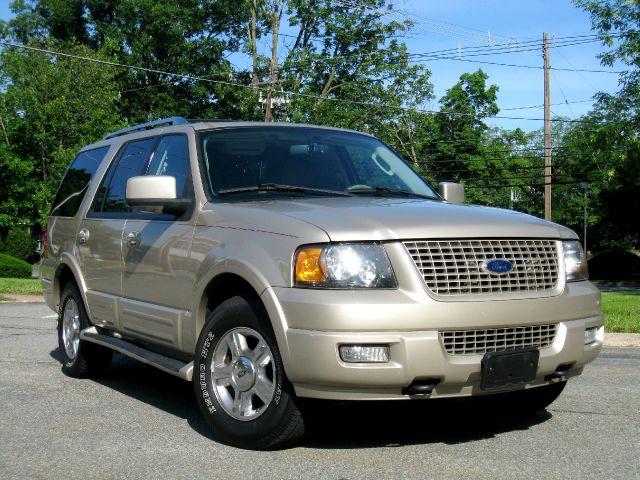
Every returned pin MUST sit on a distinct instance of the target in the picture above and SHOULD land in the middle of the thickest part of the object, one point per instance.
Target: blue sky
(523, 21)
(445, 24)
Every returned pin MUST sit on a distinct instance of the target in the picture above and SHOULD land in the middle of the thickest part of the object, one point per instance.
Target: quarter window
(75, 182)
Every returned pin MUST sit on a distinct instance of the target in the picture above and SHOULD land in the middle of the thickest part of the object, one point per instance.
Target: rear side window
(75, 182)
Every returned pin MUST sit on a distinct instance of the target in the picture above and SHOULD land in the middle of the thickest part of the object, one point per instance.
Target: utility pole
(547, 131)
(273, 70)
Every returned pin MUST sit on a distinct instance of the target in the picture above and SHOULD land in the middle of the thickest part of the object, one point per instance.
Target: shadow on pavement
(154, 387)
(332, 425)
(399, 423)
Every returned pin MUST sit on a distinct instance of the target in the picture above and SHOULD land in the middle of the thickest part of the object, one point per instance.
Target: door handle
(83, 235)
(133, 239)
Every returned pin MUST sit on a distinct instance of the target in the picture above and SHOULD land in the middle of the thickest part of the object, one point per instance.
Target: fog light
(364, 353)
(590, 335)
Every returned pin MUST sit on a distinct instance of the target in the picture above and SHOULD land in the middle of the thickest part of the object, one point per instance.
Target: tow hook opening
(561, 372)
(422, 388)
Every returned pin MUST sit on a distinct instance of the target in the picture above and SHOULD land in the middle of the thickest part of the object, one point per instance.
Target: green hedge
(21, 245)
(11, 267)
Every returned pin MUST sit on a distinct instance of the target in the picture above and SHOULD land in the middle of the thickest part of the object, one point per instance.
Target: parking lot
(137, 422)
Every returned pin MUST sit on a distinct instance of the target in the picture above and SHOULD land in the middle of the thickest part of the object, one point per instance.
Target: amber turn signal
(308, 266)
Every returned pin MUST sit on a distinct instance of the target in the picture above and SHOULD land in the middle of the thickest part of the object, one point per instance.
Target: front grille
(479, 342)
(455, 267)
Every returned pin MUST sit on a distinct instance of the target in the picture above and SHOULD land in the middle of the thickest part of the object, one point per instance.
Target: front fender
(262, 259)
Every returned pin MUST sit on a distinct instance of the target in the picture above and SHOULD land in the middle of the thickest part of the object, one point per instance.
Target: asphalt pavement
(137, 422)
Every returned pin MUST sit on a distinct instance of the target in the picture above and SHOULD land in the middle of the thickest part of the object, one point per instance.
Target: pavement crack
(13, 327)
(9, 335)
(587, 412)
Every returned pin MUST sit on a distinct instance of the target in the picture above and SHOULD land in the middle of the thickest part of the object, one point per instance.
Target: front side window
(171, 158)
(132, 162)
(304, 161)
(75, 182)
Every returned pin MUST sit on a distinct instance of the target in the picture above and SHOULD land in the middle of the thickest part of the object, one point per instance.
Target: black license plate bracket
(512, 367)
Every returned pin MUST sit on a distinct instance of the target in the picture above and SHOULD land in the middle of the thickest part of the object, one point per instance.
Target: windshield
(314, 161)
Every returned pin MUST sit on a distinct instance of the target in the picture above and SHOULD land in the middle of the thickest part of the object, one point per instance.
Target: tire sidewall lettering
(204, 380)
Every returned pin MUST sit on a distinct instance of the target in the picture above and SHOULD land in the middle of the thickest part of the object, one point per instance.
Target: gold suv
(268, 262)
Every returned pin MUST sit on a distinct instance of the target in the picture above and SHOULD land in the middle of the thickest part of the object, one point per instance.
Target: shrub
(21, 245)
(614, 265)
(11, 267)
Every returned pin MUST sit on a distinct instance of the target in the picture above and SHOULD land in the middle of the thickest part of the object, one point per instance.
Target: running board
(166, 364)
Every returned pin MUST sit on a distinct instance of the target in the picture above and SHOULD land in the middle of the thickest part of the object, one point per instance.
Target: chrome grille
(455, 267)
(479, 342)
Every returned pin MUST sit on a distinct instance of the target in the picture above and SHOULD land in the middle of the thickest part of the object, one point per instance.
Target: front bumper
(313, 364)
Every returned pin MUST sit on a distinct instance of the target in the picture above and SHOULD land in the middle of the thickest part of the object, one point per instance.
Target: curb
(18, 298)
(624, 340)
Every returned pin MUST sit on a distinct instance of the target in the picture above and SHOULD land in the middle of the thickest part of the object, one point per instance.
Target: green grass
(21, 286)
(621, 311)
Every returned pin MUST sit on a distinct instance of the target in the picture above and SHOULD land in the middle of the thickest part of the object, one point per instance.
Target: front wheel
(239, 379)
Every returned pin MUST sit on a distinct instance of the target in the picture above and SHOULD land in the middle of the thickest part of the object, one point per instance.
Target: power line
(541, 105)
(535, 67)
(299, 94)
(573, 182)
(511, 46)
(535, 46)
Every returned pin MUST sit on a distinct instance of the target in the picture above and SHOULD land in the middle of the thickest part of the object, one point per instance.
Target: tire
(239, 379)
(79, 358)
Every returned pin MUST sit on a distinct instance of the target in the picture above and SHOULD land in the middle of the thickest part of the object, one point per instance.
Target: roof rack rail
(146, 126)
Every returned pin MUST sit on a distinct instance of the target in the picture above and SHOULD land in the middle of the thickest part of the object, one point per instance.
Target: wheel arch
(231, 283)
(220, 288)
(67, 271)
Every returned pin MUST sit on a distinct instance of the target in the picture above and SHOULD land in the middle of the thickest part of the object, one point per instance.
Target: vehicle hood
(372, 218)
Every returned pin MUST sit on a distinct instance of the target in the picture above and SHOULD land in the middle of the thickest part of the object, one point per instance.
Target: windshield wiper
(277, 187)
(386, 191)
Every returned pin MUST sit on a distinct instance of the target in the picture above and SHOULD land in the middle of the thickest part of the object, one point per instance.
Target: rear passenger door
(100, 232)
(157, 281)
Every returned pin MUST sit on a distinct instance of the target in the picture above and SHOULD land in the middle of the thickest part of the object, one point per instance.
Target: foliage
(339, 63)
(11, 267)
(618, 24)
(358, 76)
(21, 245)
(187, 37)
(50, 108)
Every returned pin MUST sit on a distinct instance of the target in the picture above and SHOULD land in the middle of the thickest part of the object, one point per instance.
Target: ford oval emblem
(497, 266)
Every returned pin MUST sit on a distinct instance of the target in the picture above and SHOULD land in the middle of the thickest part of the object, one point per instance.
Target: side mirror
(451, 192)
(155, 191)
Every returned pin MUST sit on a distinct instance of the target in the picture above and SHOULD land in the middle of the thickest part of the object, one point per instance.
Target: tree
(343, 66)
(188, 37)
(50, 107)
(618, 24)
(610, 134)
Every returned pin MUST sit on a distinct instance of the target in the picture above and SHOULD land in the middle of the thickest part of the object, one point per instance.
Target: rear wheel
(240, 382)
(79, 358)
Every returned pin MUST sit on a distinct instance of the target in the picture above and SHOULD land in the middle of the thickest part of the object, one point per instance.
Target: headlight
(346, 265)
(575, 261)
